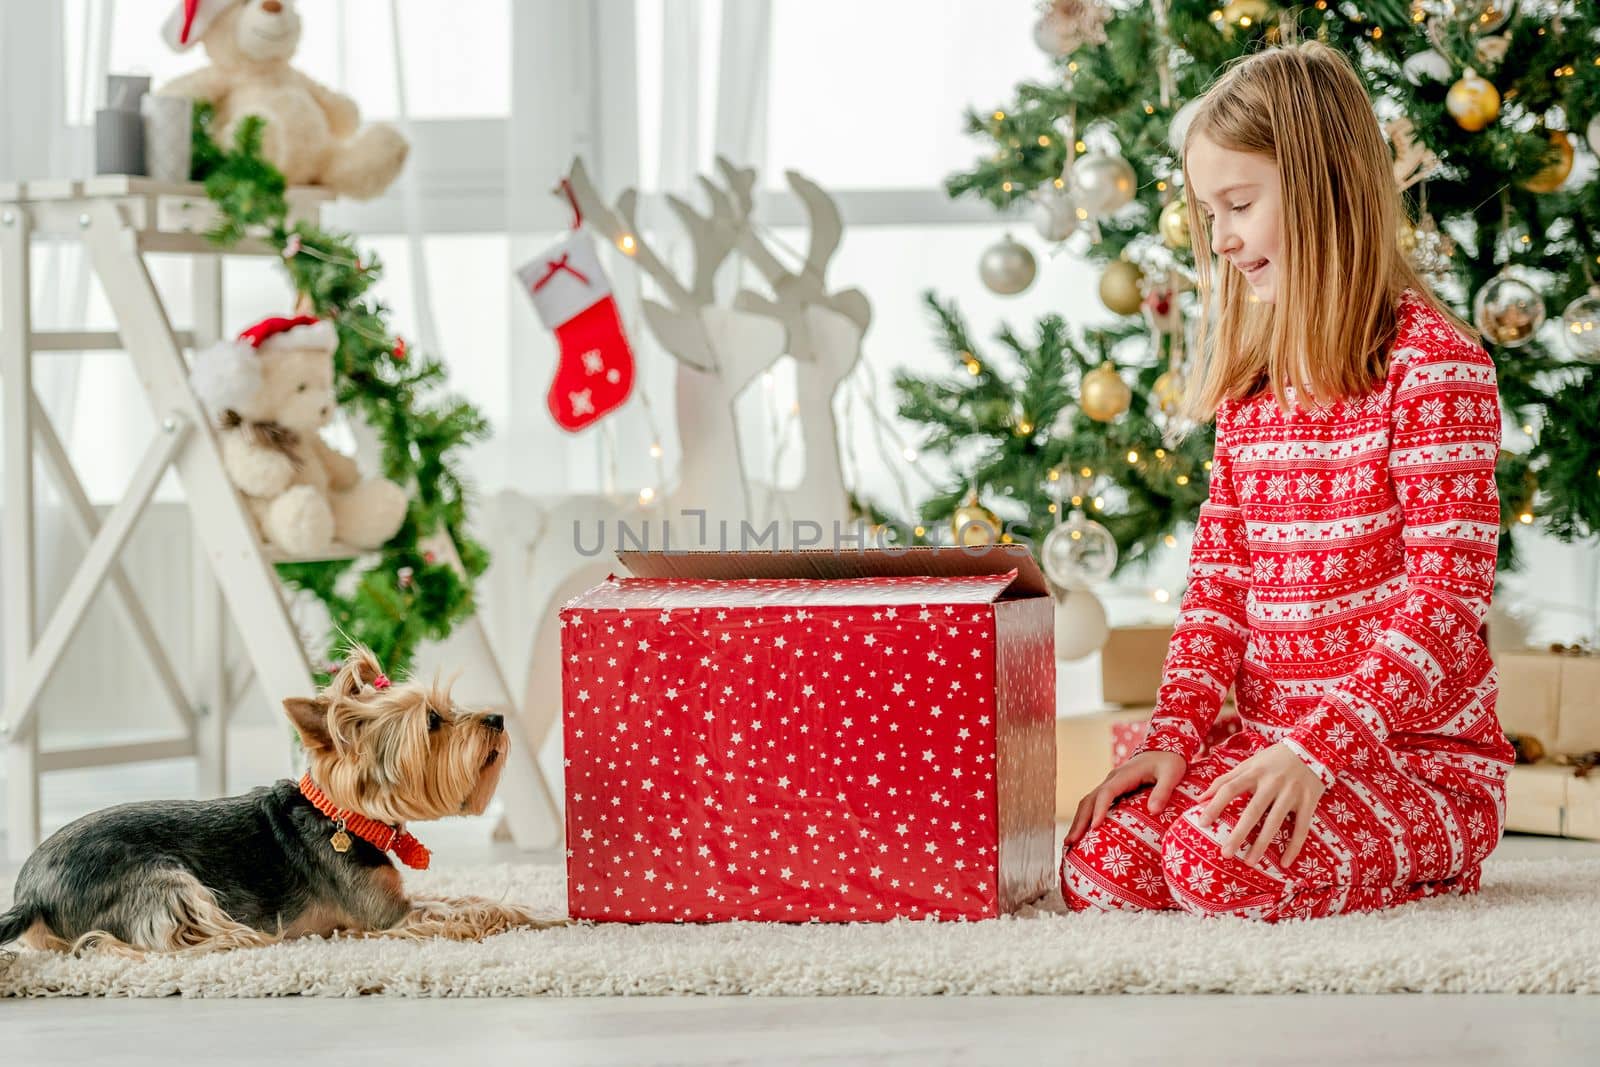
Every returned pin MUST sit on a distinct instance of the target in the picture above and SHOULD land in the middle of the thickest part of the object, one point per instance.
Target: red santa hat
(190, 20)
(301, 331)
(227, 374)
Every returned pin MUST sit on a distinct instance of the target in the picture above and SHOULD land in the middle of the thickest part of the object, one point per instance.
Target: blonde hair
(1341, 272)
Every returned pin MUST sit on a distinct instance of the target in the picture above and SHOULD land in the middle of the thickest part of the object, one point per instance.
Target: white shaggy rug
(1535, 928)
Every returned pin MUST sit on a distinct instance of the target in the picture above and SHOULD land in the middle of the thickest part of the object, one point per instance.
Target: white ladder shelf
(120, 220)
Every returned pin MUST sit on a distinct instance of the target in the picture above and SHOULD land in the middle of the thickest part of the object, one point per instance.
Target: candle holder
(119, 126)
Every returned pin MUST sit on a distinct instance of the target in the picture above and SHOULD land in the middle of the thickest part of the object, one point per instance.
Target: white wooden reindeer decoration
(824, 330)
(719, 350)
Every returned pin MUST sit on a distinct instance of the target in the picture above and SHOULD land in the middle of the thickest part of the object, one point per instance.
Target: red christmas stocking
(573, 298)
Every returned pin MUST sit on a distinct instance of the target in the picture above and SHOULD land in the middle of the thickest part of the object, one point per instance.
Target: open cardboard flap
(942, 562)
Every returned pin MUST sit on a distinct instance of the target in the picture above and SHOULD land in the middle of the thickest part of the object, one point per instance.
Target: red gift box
(799, 736)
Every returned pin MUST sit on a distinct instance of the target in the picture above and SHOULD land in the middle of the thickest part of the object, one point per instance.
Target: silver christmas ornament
(1508, 310)
(1103, 183)
(1067, 25)
(1007, 267)
(1593, 134)
(1078, 553)
(1432, 250)
(1055, 213)
(1582, 326)
(1054, 37)
(1081, 627)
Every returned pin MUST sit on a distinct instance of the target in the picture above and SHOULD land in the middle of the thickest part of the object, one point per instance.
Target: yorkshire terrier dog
(286, 860)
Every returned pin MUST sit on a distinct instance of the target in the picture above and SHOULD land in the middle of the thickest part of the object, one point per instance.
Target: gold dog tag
(341, 842)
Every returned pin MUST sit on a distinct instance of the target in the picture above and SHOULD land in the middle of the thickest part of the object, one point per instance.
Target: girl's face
(1241, 197)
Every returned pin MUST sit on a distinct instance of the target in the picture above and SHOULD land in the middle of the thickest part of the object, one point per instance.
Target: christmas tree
(1486, 103)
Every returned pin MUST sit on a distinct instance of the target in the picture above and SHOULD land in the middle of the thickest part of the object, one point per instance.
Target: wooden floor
(1199, 1031)
(1190, 1030)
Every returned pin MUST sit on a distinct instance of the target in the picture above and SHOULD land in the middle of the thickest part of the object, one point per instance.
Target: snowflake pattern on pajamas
(1341, 570)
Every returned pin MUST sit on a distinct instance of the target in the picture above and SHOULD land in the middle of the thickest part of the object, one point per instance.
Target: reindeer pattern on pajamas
(1341, 569)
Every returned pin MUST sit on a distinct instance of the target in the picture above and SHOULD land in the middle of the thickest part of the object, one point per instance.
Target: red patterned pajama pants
(1384, 837)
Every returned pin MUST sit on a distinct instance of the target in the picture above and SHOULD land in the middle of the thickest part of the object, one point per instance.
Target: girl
(1343, 563)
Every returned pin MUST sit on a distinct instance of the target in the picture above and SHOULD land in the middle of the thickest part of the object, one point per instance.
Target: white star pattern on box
(787, 768)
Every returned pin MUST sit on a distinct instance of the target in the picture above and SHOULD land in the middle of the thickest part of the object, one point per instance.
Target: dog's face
(254, 31)
(402, 753)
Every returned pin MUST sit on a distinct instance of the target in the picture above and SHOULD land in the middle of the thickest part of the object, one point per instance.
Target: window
(873, 95)
(457, 56)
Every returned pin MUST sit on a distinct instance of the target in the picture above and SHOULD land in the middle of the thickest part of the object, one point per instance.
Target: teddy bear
(271, 392)
(312, 134)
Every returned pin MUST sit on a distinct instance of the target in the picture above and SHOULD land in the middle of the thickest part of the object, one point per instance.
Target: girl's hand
(1279, 784)
(1162, 769)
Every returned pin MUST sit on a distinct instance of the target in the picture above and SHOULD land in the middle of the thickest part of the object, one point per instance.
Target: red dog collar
(382, 836)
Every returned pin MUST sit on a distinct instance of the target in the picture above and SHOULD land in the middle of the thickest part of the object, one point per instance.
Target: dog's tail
(16, 922)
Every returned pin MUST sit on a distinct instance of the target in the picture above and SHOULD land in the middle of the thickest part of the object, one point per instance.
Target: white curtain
(50, 136)
(43, 140)
(589, 54)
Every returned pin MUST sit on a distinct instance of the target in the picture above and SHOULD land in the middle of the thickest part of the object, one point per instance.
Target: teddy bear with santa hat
(271, 392)
(313, 134)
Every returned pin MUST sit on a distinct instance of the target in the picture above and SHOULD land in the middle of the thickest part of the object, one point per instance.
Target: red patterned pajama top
(1341, 571)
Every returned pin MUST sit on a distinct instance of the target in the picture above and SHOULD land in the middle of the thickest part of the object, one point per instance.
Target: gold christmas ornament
(1473, 102)
(1119, 287)
(1245, 13)
(1103, 395)
(1554, 175)
(1529, 749)
(1168, 391)
(974, 525)
(1407, 236)
(1174, 224)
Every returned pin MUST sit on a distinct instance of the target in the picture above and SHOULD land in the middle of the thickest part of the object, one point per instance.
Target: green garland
(404, 595)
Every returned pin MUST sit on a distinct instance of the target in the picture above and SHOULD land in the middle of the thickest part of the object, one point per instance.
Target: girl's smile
(1240, 195)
